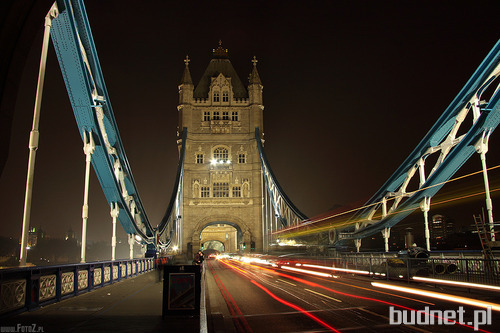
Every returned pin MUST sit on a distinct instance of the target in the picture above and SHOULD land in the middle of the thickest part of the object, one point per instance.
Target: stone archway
(213, 245)
(229, 235)
(236, 240)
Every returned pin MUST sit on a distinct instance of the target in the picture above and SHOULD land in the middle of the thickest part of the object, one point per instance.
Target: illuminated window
(221, 154)
(216, 96)
(199, 158)
(225, 96)
(205, 191)
(237, 192)
(235, 116)
(221, 190)
(225, 115)
(206, 116)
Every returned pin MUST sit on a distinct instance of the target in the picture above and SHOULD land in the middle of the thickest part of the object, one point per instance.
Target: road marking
(380, 327)
(238, 319)
(292, 313)
(320, 294)
(374, 290)
(288, 282)
(387, 318)
(79, 308)
(296, 307)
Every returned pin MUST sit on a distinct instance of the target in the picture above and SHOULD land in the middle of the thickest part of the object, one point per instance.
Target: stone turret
(186, 86)
(255, 97)
(255, 85)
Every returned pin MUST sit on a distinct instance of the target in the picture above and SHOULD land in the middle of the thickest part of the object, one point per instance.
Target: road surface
(261, 298)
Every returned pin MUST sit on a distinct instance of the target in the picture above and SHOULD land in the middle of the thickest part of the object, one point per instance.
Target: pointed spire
(254, 76)
(186, 76)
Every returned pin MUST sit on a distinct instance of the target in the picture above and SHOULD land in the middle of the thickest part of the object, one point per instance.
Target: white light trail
(457, 283)
(346, 270)
(306, 271)
(432, 294)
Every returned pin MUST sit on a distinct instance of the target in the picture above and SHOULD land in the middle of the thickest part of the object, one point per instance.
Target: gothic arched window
(221, 154)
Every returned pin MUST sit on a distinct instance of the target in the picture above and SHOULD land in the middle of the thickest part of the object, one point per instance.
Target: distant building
(409, 238)
(32, 237)
(70, 234)
(441, 227)
(397, 239)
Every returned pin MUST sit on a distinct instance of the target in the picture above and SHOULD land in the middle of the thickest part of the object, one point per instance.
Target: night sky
(350, 88)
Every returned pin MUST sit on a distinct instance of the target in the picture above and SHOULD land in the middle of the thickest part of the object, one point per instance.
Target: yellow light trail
(311, 227)
(339, 224)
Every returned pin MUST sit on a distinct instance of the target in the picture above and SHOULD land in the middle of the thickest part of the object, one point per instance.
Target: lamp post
(34, 134)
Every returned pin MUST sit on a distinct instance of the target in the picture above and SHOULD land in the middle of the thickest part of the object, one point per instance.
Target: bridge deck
(132, 305)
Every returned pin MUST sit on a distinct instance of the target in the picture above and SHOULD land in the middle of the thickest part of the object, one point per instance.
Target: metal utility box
(181, 290)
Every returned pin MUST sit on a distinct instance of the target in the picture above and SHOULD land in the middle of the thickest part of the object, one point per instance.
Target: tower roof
(220, 64)
(186, 76)
(220, 52)
(254, 76)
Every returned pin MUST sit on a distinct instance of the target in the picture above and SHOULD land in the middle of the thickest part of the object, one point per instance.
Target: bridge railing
(27, 288)
(471, 270)
(391, 266)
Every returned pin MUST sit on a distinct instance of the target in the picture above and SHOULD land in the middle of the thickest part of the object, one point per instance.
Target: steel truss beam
(395, 199)
(81, 70)
(169, 230)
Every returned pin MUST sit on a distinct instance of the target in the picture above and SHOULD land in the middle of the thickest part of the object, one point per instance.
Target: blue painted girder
(487, 121)
(169, 216)
(73, 43)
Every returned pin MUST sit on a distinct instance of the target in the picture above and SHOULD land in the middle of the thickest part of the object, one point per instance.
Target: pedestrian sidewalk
(132, 305)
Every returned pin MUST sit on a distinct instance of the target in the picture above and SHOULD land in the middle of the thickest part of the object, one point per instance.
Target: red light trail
(313, 284)
(293, 306)
(238, 318)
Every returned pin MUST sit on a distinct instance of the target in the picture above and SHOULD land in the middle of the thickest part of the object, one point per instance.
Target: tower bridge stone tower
(222, 185)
